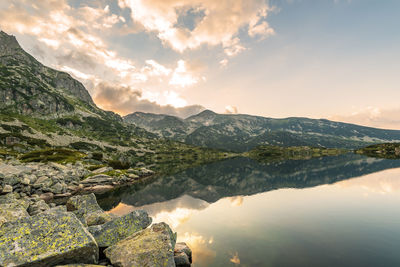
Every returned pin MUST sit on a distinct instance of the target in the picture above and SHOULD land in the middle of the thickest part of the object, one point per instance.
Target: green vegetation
(386, 150)
(277, 153)
(60, 155)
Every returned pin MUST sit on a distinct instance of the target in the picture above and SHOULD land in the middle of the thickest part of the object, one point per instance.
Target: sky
(334, 59)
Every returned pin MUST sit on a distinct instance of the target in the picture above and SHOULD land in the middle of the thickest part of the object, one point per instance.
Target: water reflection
(226, 214)
(242, 176)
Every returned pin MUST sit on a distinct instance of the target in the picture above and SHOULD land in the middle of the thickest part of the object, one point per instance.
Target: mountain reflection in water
(223, 210)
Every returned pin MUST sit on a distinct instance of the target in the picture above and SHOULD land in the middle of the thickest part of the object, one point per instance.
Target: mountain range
(239, 132)
(42, 107)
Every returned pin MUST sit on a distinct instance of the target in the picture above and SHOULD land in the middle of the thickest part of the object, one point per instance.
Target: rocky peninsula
(49, 216)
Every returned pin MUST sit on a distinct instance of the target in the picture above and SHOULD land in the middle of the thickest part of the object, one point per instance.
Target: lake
(331, 211)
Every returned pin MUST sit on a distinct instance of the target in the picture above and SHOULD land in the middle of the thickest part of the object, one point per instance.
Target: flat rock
(46, 239)
(98, 179)
(102, 170)
(150, 247)
(99, 188)
(119, 228)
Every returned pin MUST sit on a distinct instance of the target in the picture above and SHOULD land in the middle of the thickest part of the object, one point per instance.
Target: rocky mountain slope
(239, 132)
(42, 109)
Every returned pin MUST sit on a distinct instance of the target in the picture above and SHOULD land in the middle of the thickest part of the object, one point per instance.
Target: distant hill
(239, 132)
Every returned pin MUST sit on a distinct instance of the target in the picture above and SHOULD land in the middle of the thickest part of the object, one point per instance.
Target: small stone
(26, 181)
(38, 207)
(47, 196)
(7, 189)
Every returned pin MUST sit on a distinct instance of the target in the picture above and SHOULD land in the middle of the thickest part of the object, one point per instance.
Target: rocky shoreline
(52, 180)
(38, 230)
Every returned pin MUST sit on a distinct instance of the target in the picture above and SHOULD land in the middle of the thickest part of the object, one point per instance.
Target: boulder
(87, 210)
(181, 259)
(120, 228)
(46, 239)
(150, 247)
(183, 255)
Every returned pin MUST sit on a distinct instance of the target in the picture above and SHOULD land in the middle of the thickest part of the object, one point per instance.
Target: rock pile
(75, 234)
(54, 180)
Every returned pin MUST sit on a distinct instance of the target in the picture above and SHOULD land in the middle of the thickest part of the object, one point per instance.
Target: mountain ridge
(242, 132)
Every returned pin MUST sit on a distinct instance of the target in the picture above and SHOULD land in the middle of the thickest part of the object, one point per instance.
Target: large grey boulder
(87, 210)
(150, 247)
(46, 239)
(120, 228)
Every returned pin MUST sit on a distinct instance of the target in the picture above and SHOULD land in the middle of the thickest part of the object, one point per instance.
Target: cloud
(72, 40)
(373, 117)
(182, 77)
(231, 109)
(125, 100)
(217, 23)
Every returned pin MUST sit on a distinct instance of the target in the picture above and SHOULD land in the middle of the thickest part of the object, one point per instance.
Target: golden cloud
(219, 25)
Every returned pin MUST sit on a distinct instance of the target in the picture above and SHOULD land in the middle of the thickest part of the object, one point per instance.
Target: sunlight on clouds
(50, 42)
(198, 244)
(220, 24)
(236, 201)
(173, 99)
(384, 182)
(77, 73)
(235, 258)
(181, 76)
(372, 116)
(231, 109)
(174, 218)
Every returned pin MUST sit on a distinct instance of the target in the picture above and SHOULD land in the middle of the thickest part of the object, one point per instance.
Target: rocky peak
(8, 44)
(29, 84)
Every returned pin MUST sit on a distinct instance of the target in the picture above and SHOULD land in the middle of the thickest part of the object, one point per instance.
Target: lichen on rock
(85, 207)
(120, 228)
(46, 239)
(153, 246)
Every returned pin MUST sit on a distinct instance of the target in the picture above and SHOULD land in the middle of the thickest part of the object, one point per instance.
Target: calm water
(337, 211)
